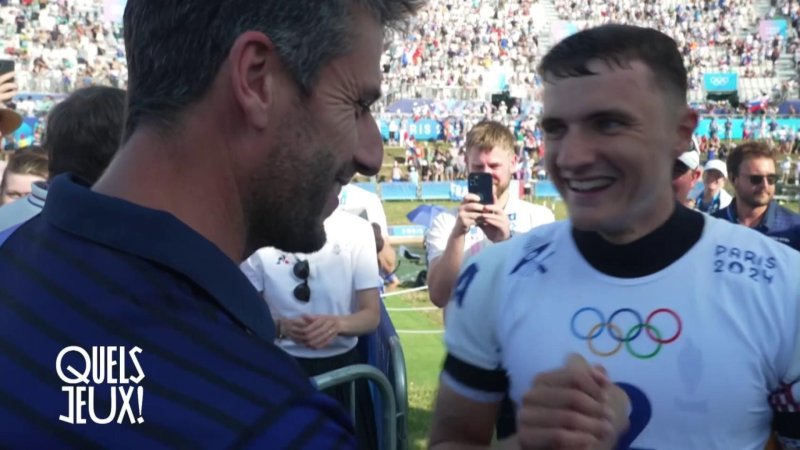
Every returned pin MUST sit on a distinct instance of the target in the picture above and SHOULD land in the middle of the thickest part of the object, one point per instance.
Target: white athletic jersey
(702, 347)
(523, 216)
(347, 263)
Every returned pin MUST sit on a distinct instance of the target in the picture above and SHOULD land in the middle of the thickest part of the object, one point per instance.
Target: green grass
(396, 211)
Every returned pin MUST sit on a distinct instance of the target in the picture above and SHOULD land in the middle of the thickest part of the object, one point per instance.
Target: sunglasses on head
(301, 270)
(756, 180)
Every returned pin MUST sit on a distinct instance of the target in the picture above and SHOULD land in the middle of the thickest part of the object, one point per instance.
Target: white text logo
(105, 367)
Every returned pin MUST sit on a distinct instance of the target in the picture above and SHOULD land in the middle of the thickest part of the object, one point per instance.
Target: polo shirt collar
(38, 193)
(767, 222)
(159, 237)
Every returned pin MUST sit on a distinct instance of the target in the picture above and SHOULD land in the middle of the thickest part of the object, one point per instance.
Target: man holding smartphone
(489, 213)
(473, 225)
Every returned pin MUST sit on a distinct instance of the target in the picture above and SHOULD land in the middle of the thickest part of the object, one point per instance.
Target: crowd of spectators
(464, 49)
(60, 46)
(460, 48)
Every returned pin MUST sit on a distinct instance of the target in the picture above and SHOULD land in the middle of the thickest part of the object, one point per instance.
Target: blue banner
(421, 130)
(435, 190)
(768, 29)
(721, 82)
(458, 189)
(738, 125)
(545, 189)
(406, 231)
(398, 190)
(24, 135)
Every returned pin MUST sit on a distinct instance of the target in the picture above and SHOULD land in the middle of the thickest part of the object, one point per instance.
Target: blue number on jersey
(464, 280)
(641, 412)
(534, 256)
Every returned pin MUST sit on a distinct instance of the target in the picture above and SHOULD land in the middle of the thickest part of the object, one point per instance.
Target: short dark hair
(84, 132)
(618, 45)
(747, 150)
(175, 48)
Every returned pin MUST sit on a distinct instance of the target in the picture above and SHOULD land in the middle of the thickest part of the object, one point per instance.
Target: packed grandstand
(457, 56)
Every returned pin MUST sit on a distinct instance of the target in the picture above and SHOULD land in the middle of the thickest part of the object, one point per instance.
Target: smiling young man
(637, 323)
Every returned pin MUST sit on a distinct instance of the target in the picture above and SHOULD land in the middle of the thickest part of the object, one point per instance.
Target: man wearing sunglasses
(752, 172)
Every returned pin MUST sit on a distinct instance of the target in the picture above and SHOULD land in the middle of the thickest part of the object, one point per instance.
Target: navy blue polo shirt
(779, 223)
(174, 341)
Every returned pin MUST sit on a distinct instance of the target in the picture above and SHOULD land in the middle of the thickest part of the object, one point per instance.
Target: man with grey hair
(245, 118)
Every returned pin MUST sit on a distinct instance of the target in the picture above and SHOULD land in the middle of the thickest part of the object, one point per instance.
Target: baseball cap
(9, 121)
(690, 159)
(717, 164)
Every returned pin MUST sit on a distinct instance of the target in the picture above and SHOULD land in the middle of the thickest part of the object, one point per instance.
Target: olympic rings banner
(642, 339)
(721, 82)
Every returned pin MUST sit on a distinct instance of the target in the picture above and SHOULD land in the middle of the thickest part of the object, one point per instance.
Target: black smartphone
(480, 184)
(6, 65)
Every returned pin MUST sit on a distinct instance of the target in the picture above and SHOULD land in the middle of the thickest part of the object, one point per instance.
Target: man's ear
(687, 123)
(254, 67)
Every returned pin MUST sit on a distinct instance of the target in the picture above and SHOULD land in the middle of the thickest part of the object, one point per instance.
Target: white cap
(690, 159)
(717, 164)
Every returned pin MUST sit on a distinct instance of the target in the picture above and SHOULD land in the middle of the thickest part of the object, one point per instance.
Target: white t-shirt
(346, 264)
(365, 204)
(523, 216)
(702, 347)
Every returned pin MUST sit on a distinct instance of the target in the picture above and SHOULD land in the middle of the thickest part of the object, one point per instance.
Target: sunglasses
(757, 180)
(301, 270)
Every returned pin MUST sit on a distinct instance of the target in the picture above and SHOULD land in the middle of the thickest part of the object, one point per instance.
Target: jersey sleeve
(473, 365)
(438, 234)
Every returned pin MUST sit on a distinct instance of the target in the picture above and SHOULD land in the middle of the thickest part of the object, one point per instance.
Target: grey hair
(175, 48)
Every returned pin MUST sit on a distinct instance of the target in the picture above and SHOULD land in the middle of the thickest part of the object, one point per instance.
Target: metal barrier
(351, 373)
(400, 391)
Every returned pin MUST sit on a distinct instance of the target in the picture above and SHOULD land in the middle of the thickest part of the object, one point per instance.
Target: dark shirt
(647, 255)
(96, 271)
(778, 222)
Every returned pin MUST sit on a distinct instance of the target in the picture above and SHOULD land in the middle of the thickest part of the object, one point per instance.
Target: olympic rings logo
(719, 80)
(626, 338)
